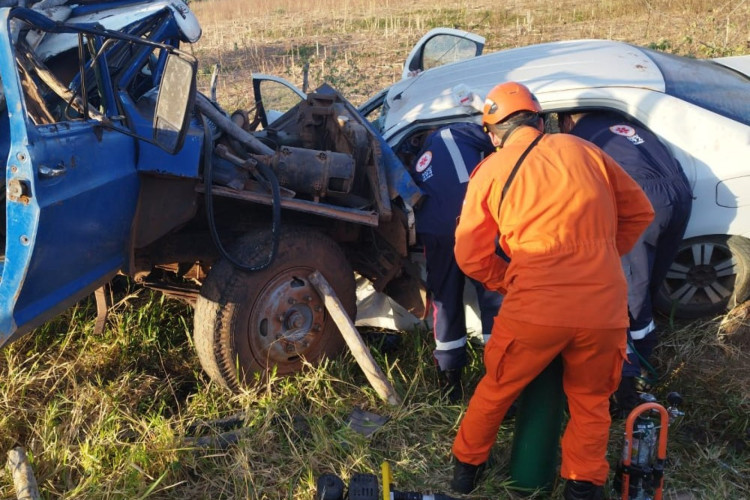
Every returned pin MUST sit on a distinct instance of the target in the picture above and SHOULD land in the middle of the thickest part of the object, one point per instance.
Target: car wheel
(249, 323)
(709, 275)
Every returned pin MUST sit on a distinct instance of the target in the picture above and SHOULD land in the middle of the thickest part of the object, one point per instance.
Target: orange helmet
(507, 99)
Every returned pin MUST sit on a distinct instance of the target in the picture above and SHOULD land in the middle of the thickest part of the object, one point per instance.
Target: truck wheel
(249, 323)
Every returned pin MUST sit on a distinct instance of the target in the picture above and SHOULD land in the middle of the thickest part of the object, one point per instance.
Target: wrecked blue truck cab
(117, 165)
(72, 170)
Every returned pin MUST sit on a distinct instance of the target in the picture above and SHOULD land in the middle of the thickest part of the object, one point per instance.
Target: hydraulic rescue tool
(640, 474)
(364, 486)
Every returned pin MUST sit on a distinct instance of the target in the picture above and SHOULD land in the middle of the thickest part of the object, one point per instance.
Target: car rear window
(706, 84)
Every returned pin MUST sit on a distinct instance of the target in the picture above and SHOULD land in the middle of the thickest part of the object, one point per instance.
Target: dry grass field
(359, 46)
(130, 415)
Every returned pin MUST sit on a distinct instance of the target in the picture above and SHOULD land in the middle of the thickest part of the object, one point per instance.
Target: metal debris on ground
(365, 422)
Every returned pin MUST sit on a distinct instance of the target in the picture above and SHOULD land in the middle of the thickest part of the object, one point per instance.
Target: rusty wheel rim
(287, 320)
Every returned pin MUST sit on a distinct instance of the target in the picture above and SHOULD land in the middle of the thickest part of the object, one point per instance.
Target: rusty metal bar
(346, 214)
(227, 125)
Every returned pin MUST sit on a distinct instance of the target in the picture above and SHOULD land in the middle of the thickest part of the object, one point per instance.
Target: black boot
(625, 398)
(450, 385)
(512, 411)
(465, 476)
(582, 490)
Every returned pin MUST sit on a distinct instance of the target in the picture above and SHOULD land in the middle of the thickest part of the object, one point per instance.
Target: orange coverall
(568, 216)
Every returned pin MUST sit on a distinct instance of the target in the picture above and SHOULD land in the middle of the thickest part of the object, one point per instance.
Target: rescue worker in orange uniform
(563, 213)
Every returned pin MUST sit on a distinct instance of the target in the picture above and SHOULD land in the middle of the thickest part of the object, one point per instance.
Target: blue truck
(116, 164)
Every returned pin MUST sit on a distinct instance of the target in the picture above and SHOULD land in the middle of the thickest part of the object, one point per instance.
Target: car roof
(544, 68)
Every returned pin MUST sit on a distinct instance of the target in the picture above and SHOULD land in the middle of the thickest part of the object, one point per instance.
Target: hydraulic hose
(649, 368)
(269, 176)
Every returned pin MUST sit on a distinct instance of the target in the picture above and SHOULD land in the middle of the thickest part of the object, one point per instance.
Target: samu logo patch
(424, 161)
(628, 132)
(623, 130)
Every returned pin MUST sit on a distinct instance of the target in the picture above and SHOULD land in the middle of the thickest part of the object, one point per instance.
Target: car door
(274, 96)
(71, 190)
(442, 46)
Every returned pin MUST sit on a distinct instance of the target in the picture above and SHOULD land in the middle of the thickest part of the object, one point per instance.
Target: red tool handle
(662, 451)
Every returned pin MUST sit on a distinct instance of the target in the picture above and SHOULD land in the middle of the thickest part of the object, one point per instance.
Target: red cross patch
(424, 161)
(623, 130)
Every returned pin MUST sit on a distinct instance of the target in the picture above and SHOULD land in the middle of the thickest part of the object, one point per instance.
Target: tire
(709, 275)
(247, 324)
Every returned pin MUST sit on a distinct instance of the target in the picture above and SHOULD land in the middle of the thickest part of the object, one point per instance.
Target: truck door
(71, 193)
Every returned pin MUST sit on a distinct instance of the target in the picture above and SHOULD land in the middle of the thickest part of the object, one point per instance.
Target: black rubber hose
(268, 174)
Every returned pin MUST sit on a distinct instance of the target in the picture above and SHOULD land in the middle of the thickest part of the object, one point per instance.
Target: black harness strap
(515, 170)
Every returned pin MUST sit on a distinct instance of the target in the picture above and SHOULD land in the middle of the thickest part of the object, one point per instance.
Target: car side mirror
(175, 102)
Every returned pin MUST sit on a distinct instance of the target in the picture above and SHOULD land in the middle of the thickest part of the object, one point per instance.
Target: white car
(699, 108)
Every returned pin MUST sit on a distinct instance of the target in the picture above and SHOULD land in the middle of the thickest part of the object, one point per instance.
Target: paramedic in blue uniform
(442, 171)
(649, 163)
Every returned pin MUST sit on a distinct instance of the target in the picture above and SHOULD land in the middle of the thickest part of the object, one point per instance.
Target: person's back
(442, 170)
(636, 149)
(559, 223)
(564, 212)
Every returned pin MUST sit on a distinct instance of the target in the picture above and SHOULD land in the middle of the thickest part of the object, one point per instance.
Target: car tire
(709, 275)
(247, 324)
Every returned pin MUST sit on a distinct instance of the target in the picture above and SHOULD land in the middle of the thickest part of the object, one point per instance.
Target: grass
(360, 45)
(119, 415)
(123, 414)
